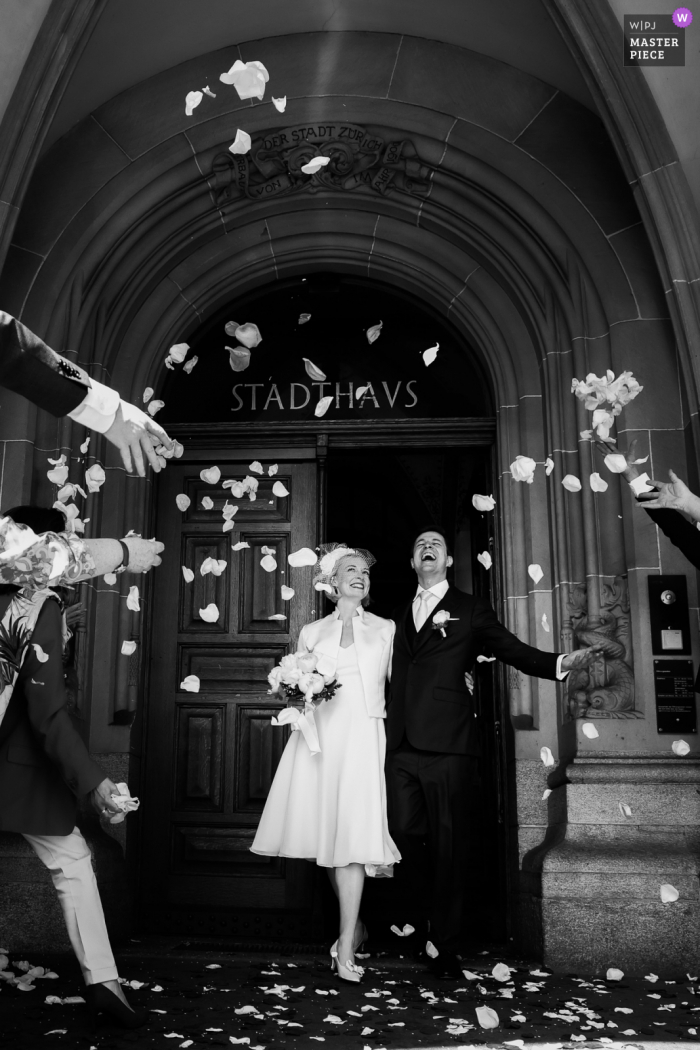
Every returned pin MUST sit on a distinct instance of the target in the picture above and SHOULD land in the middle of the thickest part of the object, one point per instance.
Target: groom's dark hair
(431, 528)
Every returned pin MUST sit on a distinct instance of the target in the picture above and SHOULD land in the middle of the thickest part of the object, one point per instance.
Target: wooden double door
(209, 757)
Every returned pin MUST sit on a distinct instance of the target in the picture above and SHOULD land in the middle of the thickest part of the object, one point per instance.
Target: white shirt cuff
(639, 484)
(561, 675)
(98, 408)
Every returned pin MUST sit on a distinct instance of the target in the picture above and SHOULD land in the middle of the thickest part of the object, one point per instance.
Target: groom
(433, 736)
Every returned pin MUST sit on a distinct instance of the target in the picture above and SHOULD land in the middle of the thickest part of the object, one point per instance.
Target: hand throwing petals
(128, 648)
(210, 474)
(192, 100)
(210, 614)
(535, 572)
(280, 104)
(190, 684)
(278, 489)
(597, 483)
(304, 556)
(430, 354)
(132, 601)
(241, 143)
(547, 757)
(314, 165)
(485, 559)
(313, 371)
(589, 730)
(323, 406)
(182, 501)
(571, 483)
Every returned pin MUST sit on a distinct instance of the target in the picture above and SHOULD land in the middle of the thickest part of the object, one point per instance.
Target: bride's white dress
(331, 807)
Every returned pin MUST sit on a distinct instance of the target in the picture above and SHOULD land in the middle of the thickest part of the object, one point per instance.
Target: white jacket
(373, 637)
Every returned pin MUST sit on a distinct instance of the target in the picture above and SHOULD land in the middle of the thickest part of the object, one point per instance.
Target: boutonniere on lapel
(440, 619)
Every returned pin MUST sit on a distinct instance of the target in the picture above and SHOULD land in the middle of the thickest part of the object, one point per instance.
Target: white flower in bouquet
(307, 661)
(275, 679)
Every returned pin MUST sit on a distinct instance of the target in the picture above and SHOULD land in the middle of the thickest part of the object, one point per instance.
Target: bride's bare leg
(349, 882)
(360, 931)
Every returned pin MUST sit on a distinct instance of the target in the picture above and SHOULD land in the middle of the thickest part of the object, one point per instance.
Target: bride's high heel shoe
(348, 972)
(103, 1000)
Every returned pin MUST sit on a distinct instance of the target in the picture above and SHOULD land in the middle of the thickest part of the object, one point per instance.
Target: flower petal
(547, 757)
(546, 793)
(625, 810)
(430, 354)
(615, 462)
(146, 396)
(189, 365)
(256, 467)
(128, 647)
(278, 489)
(238, 358)
(374, 332)
(277, 616)
(324, 587)
(314, 165)
(155, 406)
(268, 563)
(597, 483)
(110, 578)
(190, 684)
(241, 143)
(210, 474)
(207, 503)
(95, 477)
(210, 614)
(313, 371)
(303, 318)
(287, 593)
(535, 572)
(614, 974)
(304, 556)
(523, 469)
(571, 483)
(501, 972)
(272, 470)
(182, 501)
(41, 656)
(483, 503)
(545, 623)
(485, 559)
(487, 1017)
(192, 100)
(323, 406)
(668, 893)
(248, 78)
(178, 352)
(188, 574)
(280, 104)
(132, 601)
(485, 659)
(239, 546)
(248, 334)
(680, 747)
(360, 392)
(589, 730)
(548, 466)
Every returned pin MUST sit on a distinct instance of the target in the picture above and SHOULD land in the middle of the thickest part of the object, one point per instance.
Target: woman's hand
(672, 495)
(606, 448)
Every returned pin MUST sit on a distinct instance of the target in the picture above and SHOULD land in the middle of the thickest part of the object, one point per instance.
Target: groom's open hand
(581, 657)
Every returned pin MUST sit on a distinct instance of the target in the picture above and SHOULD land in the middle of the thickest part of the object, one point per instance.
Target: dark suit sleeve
(497, 640)
(31, 368)
(46, 706)
(680, 532)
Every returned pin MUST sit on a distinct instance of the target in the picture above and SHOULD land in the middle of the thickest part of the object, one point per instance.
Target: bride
(331, 807)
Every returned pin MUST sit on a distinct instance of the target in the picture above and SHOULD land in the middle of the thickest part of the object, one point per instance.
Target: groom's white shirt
(373, 637)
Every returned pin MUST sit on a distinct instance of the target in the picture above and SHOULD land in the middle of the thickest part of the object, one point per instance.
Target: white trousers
(68, 859)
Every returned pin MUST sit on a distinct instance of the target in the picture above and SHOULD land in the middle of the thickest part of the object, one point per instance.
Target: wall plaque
(675, 696)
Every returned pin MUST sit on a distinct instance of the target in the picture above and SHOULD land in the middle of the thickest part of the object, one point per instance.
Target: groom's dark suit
(433, 744)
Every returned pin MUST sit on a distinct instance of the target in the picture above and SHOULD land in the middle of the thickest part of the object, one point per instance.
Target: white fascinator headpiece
(328, 557)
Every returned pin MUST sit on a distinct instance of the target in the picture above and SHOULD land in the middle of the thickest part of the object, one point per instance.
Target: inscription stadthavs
(359, 160)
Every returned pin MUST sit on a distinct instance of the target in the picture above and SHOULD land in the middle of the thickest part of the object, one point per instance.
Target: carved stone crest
(359, 160)
(604, 689)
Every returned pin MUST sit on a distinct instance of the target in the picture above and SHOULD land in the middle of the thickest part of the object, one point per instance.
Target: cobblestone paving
(266, 1000)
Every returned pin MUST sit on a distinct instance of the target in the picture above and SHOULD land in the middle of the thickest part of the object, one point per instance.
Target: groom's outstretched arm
(494, 638)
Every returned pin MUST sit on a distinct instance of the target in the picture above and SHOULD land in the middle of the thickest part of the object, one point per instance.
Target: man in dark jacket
(432, 736)
(31, 368)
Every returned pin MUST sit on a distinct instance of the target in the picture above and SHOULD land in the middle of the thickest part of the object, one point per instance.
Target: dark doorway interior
(378, 499)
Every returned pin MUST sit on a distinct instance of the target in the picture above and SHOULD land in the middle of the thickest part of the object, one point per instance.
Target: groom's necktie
(422, 609)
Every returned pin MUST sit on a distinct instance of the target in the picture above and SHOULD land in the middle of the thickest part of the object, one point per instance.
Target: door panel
(210, 757)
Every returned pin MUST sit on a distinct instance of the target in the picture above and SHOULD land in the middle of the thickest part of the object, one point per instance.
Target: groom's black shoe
(446, 965)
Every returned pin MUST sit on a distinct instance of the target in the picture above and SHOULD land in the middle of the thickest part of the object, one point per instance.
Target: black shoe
(101, 999)
(445, 965)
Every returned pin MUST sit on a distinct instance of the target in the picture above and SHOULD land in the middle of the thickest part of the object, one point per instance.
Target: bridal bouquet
(303, 687)
(296, 677)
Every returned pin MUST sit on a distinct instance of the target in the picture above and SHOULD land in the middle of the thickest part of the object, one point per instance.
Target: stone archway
(512, 218)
